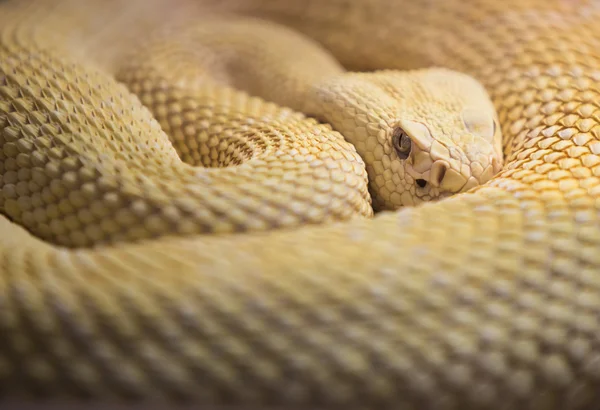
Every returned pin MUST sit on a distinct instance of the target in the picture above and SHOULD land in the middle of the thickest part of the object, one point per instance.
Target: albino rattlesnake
(488, 298)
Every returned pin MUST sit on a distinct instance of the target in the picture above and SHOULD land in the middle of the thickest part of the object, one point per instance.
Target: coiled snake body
(489, 298)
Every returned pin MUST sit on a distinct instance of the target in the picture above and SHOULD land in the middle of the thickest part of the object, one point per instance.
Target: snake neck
(233, 52)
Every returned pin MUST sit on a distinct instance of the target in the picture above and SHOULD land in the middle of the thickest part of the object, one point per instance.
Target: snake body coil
(486, 299)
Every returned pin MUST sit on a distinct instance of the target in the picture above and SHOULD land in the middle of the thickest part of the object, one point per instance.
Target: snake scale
(485, 299)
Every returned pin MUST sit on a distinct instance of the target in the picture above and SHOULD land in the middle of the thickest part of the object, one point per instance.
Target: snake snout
(438, 172)
(447, 179)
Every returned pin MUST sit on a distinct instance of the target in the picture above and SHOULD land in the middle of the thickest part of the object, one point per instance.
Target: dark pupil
(404, 143)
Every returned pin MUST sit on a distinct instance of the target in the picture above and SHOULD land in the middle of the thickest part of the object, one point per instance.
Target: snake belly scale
(123, 271)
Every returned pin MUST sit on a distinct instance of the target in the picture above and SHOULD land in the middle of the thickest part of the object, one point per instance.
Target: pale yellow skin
(487, 299)
(448, 117)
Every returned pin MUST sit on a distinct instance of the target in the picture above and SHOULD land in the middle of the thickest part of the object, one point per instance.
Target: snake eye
(402, 143)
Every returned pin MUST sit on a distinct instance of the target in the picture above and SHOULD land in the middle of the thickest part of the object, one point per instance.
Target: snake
(340, 204)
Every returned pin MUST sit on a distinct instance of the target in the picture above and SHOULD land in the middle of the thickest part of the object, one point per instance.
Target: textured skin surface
(449, 118)
(487, 299)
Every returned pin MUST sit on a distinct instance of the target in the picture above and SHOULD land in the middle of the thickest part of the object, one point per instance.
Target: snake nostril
(421, 183)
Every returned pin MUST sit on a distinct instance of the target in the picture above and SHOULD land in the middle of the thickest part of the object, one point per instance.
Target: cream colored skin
(487, 299)
(449, 118)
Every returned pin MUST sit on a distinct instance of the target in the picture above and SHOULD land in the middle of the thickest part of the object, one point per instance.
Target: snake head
(423, 134)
